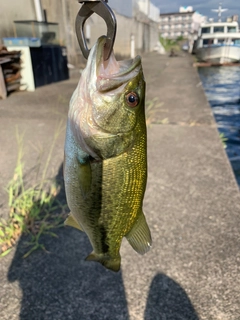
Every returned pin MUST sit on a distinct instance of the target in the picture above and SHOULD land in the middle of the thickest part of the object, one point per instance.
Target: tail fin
(106, 260)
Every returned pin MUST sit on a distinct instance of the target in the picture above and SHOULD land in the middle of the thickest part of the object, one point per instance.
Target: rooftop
(177, 13)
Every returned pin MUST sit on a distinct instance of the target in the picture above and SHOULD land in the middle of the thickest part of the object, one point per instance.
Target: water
(222, 87)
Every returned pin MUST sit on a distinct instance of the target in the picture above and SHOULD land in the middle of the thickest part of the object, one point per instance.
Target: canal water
(222, 87)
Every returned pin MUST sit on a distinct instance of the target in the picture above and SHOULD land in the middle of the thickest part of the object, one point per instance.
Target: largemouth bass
(105, 166)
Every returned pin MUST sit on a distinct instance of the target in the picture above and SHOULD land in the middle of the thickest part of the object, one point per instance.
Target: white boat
(218, 42)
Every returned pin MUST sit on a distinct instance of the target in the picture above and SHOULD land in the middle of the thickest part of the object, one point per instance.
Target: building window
(218, 29)
(231, 29)
(207, 42)
(236, 41)
(206, 30)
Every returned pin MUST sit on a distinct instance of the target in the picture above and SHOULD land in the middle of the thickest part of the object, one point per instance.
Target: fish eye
(132, 99)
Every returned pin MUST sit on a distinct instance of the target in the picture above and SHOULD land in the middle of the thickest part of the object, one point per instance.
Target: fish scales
(105, 168)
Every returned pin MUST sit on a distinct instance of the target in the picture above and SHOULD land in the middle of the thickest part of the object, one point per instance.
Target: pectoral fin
(140, 237)
(84, 175)
(71, 221)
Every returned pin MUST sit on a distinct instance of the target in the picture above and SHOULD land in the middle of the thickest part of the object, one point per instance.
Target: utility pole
(39, 10)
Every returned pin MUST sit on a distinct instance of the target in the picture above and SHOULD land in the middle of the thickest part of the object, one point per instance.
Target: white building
(137, 30)
(149, 9)
(175, 24)
(186, 9)
(184, 23)
(137, 24)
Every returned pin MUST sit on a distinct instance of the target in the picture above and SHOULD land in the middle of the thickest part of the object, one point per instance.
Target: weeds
(223, 139)
(151, 108)
(34, 209)
(169, 44)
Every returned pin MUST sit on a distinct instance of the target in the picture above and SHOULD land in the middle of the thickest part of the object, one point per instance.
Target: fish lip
(122, 68)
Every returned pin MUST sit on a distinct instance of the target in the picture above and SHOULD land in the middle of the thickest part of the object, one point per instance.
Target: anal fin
(72, 222)
(140, 237)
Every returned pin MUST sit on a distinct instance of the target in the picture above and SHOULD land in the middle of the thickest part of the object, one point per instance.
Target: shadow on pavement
(61, 285)
(168, 301)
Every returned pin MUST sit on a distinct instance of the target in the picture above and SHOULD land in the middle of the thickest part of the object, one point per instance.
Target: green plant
(151, 108)
(180, 38)
(169, 44)
(223, 139)
(33, 209)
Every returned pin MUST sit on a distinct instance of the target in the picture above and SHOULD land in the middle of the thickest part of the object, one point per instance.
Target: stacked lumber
(10, 65)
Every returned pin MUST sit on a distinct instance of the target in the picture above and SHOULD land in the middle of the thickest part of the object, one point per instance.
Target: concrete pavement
(192, 205)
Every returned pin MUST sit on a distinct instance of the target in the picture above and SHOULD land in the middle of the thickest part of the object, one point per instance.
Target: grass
(223, 139)
(170, 44)
(151, 108)
(33, 209)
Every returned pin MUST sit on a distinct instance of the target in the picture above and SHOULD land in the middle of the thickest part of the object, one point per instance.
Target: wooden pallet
(10, 65)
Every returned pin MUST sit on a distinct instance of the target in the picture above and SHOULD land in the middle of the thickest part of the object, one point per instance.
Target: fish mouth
(111, 74)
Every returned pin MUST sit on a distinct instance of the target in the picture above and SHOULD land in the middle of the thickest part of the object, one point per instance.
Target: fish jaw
(107, 75)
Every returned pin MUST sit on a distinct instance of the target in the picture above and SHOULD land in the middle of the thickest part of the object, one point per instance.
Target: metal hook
(101, 8)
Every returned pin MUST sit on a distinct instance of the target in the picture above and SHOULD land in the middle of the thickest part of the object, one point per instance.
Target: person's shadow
(60, 285)
(168, 301)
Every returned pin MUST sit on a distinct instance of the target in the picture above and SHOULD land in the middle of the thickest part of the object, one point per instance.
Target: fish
(105, 157)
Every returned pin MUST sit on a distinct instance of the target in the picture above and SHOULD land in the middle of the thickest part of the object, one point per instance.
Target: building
(176, 24)
(137, 21)
(233, 18)
(137, 30)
